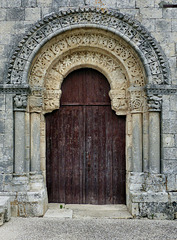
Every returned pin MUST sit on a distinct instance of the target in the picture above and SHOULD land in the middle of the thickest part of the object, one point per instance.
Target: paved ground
(83, 229)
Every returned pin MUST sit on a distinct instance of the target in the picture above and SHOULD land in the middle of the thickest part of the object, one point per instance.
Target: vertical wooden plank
(61, 160)
(109, 158)
(119, 159)
(96, 88)
(85, 144)
(48, 156)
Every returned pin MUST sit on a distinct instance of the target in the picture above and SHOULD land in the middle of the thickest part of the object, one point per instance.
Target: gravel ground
(81, 229)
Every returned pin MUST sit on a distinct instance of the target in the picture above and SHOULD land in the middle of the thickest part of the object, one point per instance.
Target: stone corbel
(154, 103)
(36, 100)
(118, 101)
(20, 102)
(51, 100)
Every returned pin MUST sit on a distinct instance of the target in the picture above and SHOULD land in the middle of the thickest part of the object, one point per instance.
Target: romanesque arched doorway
(85, 143)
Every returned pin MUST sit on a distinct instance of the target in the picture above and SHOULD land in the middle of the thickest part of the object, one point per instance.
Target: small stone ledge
(160, 89)
(5, 210)
(148, 197)
(14, 88)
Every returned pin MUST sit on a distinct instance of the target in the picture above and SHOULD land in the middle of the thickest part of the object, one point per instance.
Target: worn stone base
(27, 195)
(5, 210)
(28, 204)
(149, 196)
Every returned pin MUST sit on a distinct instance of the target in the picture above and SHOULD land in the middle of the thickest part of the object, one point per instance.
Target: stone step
(58, 210)
(5, 210)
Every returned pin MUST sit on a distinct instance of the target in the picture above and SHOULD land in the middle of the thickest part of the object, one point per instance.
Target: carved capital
(51, 100)
(137, 101)
(119, 101)
(154, 103)
(20, 102)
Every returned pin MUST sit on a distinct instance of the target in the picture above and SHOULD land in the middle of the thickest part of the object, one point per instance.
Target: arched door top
(124, 26)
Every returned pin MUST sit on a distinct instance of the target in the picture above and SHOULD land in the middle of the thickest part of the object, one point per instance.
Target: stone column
(137, 142)
(145, 141)
(137, 101)
(35, 142)
(154, 103)
(20, 103)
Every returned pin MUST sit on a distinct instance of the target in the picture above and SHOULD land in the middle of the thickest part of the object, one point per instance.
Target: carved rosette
(20, 102)
(154, 103)
(137, 101)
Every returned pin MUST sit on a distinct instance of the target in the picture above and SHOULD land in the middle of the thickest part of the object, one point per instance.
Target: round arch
(110, 42)
(124, 26)
(88, 48)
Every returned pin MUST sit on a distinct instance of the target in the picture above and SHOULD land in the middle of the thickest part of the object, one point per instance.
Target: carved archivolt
(124, 26)
(110, 55)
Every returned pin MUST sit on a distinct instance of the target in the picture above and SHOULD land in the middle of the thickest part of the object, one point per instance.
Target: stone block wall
(17, 17)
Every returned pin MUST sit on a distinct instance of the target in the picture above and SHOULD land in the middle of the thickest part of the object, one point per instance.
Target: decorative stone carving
(20, 102)
(154, 103)
(119, 101)
(101, 61)
(137, 101)
(87, 39)
(101, 51)
(123, 25)
(51, 100)
(85, 57)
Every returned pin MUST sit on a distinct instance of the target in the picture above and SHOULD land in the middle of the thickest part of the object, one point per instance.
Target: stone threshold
(60, 210)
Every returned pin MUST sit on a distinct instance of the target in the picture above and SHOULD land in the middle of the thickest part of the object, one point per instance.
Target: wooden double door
(85, 144)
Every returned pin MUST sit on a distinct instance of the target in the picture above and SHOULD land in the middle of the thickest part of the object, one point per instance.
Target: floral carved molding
(73, 50)
(122, 25)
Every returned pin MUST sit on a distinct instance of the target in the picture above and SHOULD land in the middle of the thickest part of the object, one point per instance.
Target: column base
(27, 194)
(149, 197)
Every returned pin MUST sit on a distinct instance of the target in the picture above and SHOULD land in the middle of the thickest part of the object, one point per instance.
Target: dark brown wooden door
(85, 144)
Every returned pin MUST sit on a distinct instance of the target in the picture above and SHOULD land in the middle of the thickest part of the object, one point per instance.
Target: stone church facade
(133, 44)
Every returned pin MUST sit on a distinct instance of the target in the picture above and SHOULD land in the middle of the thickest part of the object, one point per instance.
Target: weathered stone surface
(10, 3)
(151, 12)
(169, 166)
(169, 126)
(29, 3)
(76, 3)
(150, 197)
(44, 3)
(59, 3)
(168, 140)
(32, 14)
(163, 25)
(16, 14)
(2, 14)
(172, 182)
(157, 210)
(145, 3)
(5, 210)
(170, 13)
(170, 153)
